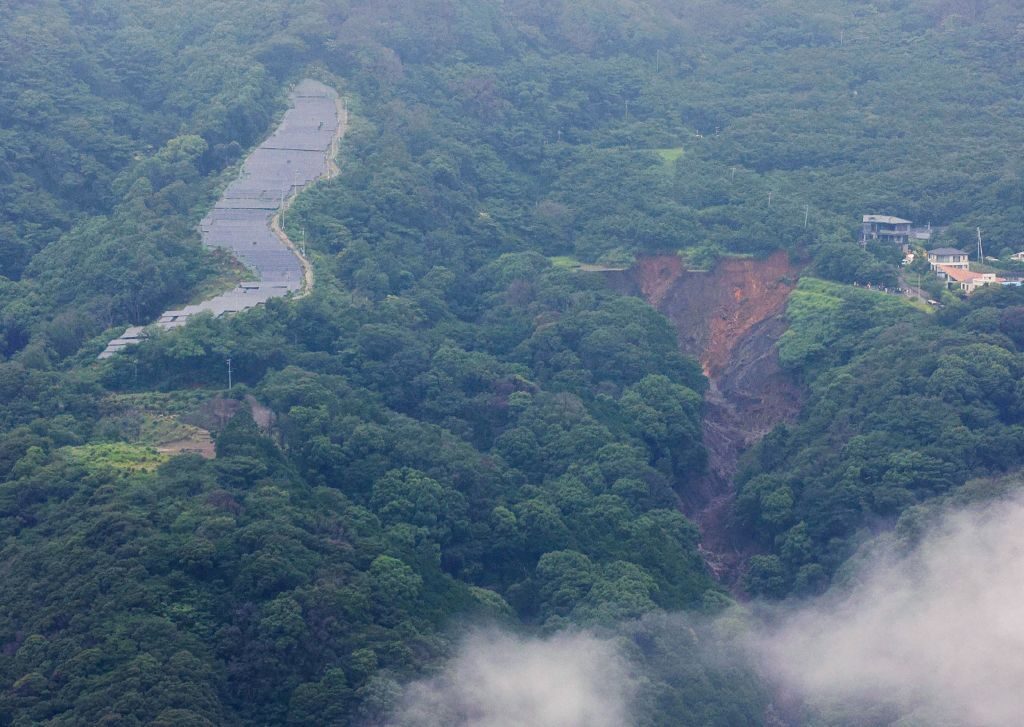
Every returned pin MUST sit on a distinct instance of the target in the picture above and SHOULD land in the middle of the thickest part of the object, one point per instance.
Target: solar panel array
(296, 154)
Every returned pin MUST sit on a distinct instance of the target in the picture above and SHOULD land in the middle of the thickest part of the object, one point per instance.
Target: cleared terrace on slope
(295, 155)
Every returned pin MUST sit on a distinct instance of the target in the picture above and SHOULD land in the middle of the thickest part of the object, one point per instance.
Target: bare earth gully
(730, 318)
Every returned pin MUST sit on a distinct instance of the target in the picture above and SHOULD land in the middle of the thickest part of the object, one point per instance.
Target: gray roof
(886, 220)
(946, 251)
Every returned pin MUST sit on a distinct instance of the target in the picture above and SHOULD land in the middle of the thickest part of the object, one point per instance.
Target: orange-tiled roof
(960, 276)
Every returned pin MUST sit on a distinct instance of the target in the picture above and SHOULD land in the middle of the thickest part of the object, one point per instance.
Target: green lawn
(670, 155)
(567, 262)
(117, 456)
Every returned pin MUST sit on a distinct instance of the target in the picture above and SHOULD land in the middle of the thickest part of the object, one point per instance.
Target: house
(1017, 256)
(884, 227)
(948, 257)
(979, 282)
(967, 280)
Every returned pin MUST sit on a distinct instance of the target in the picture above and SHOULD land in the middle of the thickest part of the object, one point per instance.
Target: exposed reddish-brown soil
(730, 318)
(713, 311)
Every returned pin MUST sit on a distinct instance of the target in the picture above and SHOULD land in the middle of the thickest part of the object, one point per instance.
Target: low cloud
(934, 634)
(498, 680)
(938, 632)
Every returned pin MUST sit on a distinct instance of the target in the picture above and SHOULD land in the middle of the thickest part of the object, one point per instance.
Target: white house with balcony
(948, 257)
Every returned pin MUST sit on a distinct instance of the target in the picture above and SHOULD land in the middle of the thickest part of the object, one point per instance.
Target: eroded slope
(730, 318)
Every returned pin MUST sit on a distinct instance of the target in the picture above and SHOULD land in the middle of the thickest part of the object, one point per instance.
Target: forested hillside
(456, 426)
(904, 406)
(115, 120)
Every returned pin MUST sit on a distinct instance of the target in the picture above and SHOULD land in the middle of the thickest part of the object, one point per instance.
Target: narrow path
(246, 219)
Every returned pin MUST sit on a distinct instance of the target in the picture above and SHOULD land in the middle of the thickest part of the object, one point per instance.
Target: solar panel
(293, 156)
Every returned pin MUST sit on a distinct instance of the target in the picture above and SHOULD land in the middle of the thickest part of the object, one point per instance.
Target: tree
(564, 579)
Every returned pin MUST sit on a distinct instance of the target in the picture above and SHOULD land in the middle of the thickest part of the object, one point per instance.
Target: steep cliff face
(730, 318)
(714, 311)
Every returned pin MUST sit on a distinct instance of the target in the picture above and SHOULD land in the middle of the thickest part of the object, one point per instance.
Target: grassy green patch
(153, 419)
(159, 429)
(670, 155)
(921, 305)
(986, 268)
(885, 302)
(567, 262)
(818, 319)
(117, 456)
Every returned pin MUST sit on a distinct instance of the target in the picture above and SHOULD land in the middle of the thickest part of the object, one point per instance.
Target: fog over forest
(934, 630)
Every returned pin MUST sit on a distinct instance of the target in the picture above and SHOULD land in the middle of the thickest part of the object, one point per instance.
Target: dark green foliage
(465, 412)
(190, 591)
(463, 429)
(695, 673)
(425, 470)
(904, 406)
(114, 122)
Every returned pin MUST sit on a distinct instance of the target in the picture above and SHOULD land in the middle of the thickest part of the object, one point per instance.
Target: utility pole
(229, 374)
(807, 214)
(981, 250)
(769, 199)
(627, 110)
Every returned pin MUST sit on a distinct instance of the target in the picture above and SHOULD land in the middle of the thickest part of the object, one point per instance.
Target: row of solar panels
(247, 235)
(292, 157)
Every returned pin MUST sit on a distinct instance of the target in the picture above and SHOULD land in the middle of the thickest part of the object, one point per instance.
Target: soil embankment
(730, 318)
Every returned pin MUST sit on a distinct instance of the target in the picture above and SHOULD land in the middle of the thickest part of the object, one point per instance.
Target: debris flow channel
(298, 153)
(731, 319)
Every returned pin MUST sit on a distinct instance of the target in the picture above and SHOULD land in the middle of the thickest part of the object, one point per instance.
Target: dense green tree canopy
(456, 426)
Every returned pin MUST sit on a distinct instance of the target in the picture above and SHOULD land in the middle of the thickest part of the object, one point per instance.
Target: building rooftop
(946, 251)
(886, 220)
(966, 276)
(960, 276)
